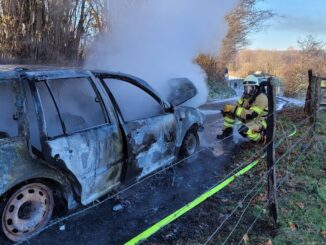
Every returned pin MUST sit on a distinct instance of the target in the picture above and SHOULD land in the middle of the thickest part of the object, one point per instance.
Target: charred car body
(71, 136)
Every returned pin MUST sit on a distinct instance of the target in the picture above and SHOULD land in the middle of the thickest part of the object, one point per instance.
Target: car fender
(186, 118)
(17, 166)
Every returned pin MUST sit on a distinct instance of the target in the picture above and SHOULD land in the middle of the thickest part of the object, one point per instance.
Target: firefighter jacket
(253, 108)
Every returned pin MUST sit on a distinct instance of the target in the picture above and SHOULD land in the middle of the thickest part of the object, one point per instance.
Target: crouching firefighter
(251, 109)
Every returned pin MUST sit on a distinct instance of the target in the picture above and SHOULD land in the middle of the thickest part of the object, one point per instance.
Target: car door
(150, 130)
(77, 133)
(11, 139)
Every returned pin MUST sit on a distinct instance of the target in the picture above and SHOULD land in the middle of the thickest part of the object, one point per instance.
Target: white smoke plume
(159, 39)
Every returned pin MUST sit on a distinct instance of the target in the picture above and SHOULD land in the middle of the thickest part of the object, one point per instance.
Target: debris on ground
(117, 207)
(62, 227)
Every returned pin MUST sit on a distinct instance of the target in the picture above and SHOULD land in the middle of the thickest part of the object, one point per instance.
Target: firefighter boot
(226, 133)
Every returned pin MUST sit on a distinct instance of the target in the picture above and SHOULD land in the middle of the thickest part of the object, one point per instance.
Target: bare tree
(243, 20)
(313, 52)
(48, 30)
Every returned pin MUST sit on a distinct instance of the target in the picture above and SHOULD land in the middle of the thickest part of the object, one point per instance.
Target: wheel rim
(191, 144)
(27, 211)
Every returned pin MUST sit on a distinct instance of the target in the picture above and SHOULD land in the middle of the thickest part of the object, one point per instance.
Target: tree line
(52, 31)
(291, 65)
(57, 31)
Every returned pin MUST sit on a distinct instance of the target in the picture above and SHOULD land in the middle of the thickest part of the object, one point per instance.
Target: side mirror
(181, 90)
(168, 108)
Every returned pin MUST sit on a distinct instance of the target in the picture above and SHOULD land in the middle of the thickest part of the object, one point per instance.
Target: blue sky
(296, 19)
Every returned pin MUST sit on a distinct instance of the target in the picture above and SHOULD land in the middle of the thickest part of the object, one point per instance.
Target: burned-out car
(67, 137)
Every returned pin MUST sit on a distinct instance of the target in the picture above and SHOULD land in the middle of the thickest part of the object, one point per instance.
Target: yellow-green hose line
(170, 218)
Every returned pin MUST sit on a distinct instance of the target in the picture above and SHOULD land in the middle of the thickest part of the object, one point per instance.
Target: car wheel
(27, 211)
(190, 143)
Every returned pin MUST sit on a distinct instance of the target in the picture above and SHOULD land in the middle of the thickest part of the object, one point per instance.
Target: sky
(295, 20)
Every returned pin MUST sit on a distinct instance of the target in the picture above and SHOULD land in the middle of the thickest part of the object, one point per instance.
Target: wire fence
(280, 184)
(263, 178)
(261, 183)
(248, 197)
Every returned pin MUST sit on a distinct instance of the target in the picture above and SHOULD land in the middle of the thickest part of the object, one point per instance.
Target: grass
(301, 199)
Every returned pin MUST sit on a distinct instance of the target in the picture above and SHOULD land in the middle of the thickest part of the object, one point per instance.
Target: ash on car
(68, 137)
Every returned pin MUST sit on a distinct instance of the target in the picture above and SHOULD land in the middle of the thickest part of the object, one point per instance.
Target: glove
(229, 108)
(251, 116)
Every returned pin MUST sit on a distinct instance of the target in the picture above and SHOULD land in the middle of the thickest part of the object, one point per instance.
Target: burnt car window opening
(32, 119)
(8, 121)
(52, 119)
(134, 103)
(78, 105)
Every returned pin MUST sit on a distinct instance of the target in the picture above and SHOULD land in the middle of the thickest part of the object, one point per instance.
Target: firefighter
(251, 109)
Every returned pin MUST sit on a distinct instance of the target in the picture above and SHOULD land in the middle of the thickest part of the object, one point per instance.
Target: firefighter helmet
(251, 80)
(251, 86)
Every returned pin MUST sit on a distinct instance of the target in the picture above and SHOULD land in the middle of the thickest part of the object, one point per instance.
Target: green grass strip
(172, 217)
(167, 220)
(294, 131)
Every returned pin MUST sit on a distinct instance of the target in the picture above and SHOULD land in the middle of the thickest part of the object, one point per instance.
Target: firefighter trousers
(253, 129)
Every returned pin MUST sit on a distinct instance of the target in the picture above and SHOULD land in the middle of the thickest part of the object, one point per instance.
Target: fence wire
(262, 179)
(98, 203)
(280, 184)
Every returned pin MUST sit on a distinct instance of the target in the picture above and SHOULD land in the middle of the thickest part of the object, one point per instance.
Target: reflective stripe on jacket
(257, 109)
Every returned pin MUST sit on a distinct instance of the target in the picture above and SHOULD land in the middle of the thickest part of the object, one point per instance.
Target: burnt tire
(27, 211)
(190, 144)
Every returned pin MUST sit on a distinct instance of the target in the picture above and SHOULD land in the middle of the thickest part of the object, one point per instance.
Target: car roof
(12, 72)
(9, 67)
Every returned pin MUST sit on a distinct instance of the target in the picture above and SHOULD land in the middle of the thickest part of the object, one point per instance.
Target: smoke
(157, 40)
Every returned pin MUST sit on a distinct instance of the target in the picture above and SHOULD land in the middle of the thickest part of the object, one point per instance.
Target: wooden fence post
(307, 108)
(313, 101)
(317, 99)
(271, 178)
